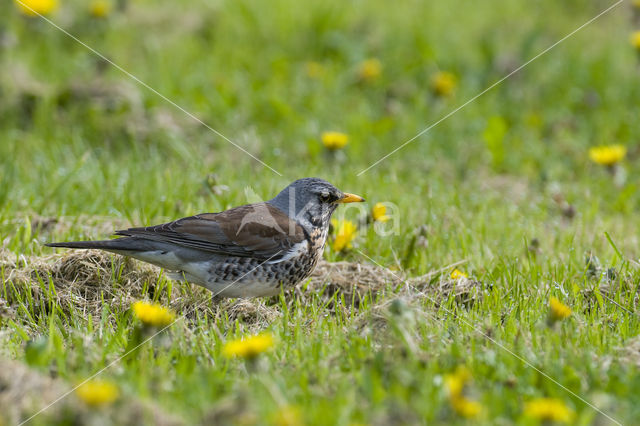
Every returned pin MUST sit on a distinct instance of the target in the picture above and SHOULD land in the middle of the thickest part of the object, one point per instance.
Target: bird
(253, 250)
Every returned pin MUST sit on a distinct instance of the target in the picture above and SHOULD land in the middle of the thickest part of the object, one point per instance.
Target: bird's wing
(255, 230)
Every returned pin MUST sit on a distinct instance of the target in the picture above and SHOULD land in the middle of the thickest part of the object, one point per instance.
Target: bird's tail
(117, 244)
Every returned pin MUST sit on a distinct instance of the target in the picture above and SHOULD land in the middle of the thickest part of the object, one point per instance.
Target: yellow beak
(350, 198)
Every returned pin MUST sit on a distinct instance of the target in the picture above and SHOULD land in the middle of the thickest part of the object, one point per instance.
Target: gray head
(312, 201)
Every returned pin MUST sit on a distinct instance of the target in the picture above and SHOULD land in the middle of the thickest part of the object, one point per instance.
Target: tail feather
(117, 244)
(165, 255)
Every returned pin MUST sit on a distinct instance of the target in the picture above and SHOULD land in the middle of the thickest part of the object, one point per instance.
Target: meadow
(499, 286)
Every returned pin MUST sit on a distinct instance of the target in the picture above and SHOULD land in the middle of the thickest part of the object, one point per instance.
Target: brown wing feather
(255, 230)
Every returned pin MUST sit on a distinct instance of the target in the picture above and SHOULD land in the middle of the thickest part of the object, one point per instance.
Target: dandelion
(636, 4)
(455, 384)
(456, 274)
(248, 348)
(153, 314)
(314, 69)
(36, 7)
(548, 409)
(558, 310)
(97, 392)
(379, 213)
(607, 155)
(466, 407)
(288, 415)
(100, 8)
(334, 140)
(635, 39)
(345, 233)
(370, 69)
(443, 83)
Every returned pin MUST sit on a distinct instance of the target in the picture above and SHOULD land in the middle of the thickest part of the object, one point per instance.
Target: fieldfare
(247, 251)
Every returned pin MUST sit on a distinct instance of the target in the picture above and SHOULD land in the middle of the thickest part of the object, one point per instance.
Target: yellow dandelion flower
(456, 274)
(636, 4)
(289, 415)
(334, 140)
(466, 407)
(379, 213)
(607, 155)
(314, 69)
(36, 7)
(98, 392)
(455, 384)
(248, 348)
(100, 8)
(558, 310)
(153, 314)
(548, 409)
(443, 83)
(635, 39)
(345, 233)
(456, 381)
(370, 69)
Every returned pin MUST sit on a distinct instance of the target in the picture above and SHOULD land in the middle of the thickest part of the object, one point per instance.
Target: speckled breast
(239, 270)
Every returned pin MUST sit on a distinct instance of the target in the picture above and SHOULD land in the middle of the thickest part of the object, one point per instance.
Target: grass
(505, 186)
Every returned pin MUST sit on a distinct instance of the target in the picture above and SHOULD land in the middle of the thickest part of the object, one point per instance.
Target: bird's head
(312, 201)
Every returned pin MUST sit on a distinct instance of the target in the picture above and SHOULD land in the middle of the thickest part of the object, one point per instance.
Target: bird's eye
(324, 196)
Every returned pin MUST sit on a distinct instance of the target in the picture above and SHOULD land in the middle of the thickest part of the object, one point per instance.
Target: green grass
(81, 141)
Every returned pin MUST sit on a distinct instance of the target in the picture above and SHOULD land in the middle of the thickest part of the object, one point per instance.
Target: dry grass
(80, 279)
(86, 280)
(353, 281)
